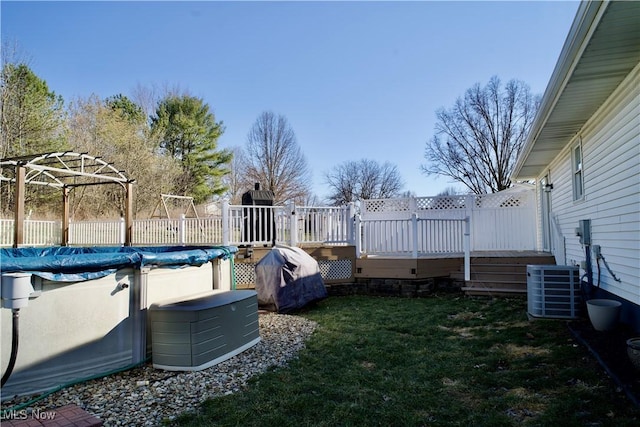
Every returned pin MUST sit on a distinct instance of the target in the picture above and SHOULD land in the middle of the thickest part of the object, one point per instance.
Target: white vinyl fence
(36, 233)
(384, 227)
(500, 221)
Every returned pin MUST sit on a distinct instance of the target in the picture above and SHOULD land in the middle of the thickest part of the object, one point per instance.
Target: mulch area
(610, 350)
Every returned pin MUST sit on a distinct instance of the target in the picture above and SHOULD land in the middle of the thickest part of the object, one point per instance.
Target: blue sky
(354, 79)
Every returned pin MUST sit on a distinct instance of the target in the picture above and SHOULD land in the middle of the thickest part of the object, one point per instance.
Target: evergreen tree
(187, 131)
(31, 115)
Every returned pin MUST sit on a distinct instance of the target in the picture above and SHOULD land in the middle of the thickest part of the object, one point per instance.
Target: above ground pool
(87, 314)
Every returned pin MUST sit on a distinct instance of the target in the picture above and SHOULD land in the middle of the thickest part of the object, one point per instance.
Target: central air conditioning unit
(553, 291)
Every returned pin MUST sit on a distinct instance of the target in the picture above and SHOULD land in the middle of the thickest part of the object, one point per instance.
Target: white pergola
(64, 170)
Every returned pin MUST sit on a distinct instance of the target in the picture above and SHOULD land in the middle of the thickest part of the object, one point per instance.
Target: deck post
(467, 249)
(225, 223)
(293, 226)
(414, 233)
(358, 235)
(350, 221)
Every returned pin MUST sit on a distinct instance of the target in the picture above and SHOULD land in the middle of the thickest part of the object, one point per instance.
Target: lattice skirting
(329, 270)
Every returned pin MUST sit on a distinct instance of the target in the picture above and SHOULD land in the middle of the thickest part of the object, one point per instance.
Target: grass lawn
(442, 360)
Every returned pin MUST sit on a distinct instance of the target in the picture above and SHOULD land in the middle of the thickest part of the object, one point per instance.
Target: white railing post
(358, 235)
(181, 229)
(123, 232)
(350, 226)
(414, 234)
(413, 204)
(71, 233)
(226, 227)
(467, 249)
(470, 207)
(293, 237)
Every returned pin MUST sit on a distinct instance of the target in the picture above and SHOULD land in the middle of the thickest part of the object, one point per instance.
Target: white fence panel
(96, 233)
(35, 232)
(437, 236)
(387, 237)
(504, 221)
(42, 233)
(500, 221)
(333, 225)
(6, 232)
(202, 231)
(156, 232)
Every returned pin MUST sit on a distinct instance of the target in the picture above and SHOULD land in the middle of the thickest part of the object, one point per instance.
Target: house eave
(601, 49)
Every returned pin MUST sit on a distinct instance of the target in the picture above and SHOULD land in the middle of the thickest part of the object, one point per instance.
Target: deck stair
(503, 275)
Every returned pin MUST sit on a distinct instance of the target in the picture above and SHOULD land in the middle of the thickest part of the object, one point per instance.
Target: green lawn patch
(443, 360)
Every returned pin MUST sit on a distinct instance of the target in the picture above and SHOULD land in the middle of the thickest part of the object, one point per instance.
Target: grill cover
(287, 279)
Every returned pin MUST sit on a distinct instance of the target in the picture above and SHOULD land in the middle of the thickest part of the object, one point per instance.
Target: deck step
(493, 291)
(500, 276)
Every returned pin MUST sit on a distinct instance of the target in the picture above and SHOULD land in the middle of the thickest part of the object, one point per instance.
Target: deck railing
(413, 237)
(412, 227)
(292, 225)
(238, 225)
(499, 221)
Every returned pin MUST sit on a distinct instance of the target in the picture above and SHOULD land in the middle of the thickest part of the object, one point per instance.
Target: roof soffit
(610, 52)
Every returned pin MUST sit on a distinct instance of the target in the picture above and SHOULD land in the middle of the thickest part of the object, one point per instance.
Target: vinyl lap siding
(611, 159)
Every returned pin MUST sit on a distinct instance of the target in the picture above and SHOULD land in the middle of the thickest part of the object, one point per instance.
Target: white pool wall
(81, 329)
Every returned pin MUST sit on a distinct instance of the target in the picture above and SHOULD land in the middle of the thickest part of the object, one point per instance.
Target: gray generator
(194, 334)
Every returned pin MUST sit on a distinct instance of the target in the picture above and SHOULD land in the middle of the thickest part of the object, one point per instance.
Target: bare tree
(148, 97)
(235, 180)
(450, 191)
(274, 159)
(97, 128)
(364, 179)
(477, 141)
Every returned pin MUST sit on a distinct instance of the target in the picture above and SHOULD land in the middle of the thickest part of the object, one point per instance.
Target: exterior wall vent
(553, 291)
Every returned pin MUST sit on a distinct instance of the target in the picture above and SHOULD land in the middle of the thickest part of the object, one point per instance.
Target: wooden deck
(492, 272)
(439, 265)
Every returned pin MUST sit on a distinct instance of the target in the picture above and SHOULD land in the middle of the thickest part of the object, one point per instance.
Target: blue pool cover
(72, 264)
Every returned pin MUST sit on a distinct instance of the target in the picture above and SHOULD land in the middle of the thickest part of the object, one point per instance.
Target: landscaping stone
(146, 396)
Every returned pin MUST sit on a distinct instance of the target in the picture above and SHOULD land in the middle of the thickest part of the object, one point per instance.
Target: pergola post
(128, 215)
(18, 223)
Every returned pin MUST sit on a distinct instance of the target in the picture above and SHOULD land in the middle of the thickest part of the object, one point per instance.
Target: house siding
(611, 171)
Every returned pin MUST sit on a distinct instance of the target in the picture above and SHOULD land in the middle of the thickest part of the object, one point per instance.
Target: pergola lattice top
(62, 169)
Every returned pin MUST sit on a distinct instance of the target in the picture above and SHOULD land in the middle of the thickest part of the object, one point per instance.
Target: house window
(578, 175)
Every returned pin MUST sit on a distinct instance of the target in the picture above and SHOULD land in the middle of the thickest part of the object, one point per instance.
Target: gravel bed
(146, 397)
